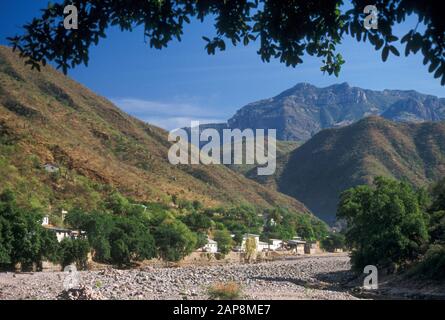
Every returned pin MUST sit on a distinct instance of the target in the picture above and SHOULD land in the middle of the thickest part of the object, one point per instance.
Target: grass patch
(225, 291)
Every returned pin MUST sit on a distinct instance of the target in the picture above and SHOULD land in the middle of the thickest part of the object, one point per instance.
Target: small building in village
(259, 245)
(211, 246)
(275, 244)
(312, 248)
(297, 245)
(62, 233)
(51, 168)
(262, 246)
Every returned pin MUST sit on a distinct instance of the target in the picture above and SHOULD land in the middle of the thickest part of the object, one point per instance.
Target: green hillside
(47, 118)
(337, 159)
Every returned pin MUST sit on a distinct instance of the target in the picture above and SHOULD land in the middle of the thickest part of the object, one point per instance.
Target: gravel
(306, 277)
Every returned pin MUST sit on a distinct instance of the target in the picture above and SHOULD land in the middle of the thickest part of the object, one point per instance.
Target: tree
(286, 30)
(23, 240)
(117, 203)
(332, 242)
(114, 238)
(432, 265)
(98, 226)
(197, 222)
(250, 248)
(437, 213)
(174, 240)
(74, 251)
(224, 240)
(284, 224)
(201, 239)
(130, 240)
(385, 225)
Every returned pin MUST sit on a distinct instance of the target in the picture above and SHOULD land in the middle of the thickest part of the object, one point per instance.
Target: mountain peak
(300, 112)
(340, 85)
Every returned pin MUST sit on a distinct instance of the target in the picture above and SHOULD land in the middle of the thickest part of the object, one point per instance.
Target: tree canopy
(387, 226)
(285, 29)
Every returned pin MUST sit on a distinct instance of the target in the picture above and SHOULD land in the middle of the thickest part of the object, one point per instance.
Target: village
(251, 248)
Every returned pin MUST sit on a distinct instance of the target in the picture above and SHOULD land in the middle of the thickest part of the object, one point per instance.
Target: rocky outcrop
(304, 110)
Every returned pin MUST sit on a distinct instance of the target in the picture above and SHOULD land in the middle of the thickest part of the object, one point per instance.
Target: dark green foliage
(437, 226)
(74, 251)
(114, 238)
(130, 240)
(386, 225)
(117, 203)
(333, 241)
(224, 240)
(239, 220)
(432, 265)
(98, 226)
(174, 240)
(197, 221)
(124, 232)
(22, 238)
(284, 224)
(201, 240)
(321, 26)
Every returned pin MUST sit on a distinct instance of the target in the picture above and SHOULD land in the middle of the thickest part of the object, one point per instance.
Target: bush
(74, 251)
(115, 239)
(224, 291)
(432, 265)
(332, 242)
(224, 240)
(285, 224)
(22, 238)
(130, 240)
(174, 240)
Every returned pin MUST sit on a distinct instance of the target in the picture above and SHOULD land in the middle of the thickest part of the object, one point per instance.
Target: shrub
(22, 238)
(174, 240)
(432, 265)
(251, 248)
(332, 242)
(114, 238)
(74, 251)
(224, 240)
(224, 291)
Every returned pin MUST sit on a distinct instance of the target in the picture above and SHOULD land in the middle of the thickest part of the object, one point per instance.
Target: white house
(211, 246)
(50, 168)
(260, 245)
(275, 244)
(45, 221)
(62, 233)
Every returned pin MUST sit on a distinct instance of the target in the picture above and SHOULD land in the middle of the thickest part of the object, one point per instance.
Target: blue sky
(172, 86)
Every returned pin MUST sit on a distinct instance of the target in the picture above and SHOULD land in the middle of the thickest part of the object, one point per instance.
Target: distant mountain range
(47, 118)
(339, 158)
(300, 112)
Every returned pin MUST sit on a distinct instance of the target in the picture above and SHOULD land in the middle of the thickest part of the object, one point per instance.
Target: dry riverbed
(306, 277)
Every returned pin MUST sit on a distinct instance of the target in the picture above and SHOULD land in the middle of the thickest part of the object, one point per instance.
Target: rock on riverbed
(306, 277)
